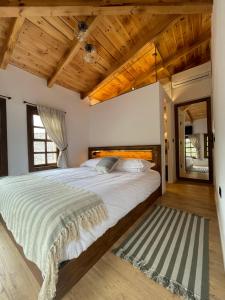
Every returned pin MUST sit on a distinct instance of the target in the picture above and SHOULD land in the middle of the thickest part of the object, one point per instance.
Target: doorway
(3, 139)
(193, 131)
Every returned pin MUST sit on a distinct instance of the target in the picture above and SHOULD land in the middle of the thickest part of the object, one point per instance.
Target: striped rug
(171, 247)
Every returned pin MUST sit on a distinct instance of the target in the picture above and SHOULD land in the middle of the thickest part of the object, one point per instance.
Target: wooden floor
(114, 279)
(196, 175)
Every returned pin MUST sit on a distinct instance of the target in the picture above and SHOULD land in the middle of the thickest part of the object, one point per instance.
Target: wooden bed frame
(72, 271)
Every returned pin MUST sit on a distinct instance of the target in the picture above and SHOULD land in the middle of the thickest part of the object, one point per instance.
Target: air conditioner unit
(191, 79)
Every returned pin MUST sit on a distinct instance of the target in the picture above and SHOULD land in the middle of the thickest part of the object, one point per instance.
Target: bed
(197, 165)
(135, 192)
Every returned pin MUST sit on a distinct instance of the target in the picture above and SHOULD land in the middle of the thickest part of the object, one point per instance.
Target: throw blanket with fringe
(44, 216)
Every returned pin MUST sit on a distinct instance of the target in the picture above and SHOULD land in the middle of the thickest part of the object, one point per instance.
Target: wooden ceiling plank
(79, 8)
(189, 115)
(28, 54)
(68, 56)
(61, 26)
(164, 67)
(68, 86)
(28, 66)
(145, 78)
(155, 33)
(204, 38)
(28, 59)
(48, 28)
(11, 42)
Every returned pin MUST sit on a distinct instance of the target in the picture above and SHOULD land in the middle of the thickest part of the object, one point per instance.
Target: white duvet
(120, 191)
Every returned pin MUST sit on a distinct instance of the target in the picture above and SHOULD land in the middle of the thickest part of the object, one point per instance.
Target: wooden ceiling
(41, 39)
(195, 111)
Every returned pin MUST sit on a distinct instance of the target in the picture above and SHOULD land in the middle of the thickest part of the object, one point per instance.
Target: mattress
(120, 191)
(200, 169)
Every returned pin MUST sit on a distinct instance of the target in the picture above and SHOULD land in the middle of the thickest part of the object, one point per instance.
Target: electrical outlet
(220, 192)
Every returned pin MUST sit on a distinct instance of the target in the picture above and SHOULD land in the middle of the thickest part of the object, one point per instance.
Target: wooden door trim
(3, 146)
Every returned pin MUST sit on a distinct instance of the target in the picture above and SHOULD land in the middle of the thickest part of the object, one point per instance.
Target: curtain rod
(32, 104)
(6, 97)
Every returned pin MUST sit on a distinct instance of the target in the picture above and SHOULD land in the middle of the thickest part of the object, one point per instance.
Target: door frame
(210, 139)
(3, 146)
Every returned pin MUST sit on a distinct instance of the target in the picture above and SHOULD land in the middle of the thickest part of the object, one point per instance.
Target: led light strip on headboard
(147, 152)
(140, 154)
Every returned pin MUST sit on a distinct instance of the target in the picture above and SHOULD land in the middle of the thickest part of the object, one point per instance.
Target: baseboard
(222, 234)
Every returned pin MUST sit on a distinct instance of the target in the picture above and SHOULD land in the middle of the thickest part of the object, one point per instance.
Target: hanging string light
(89, 53)
(89, 49)
(82, 29)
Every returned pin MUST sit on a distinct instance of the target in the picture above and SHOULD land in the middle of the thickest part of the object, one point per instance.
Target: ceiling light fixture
(82, 29)
(89, 53)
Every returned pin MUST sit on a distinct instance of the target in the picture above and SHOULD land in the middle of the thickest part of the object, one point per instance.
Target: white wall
(135, 118)
(21, 86)
(200, 126)
(130, 119)
(218, 63)
(197, 89)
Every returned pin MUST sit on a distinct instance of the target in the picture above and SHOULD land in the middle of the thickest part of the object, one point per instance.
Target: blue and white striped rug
(171, 247)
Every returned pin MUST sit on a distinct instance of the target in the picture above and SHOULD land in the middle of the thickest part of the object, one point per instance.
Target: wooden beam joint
(69, 55)
(93, 8)
(10, 44)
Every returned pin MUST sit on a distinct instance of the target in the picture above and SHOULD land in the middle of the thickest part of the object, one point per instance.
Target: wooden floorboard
(114, 279)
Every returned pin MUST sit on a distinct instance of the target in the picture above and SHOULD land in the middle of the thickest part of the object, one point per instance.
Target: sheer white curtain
(54, 123)
(195, 140)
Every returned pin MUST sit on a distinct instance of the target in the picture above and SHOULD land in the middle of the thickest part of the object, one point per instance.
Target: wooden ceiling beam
(11, 41)
(189, 115)
(165, 68)
(49, 8)
(149, 39)
(69, 55)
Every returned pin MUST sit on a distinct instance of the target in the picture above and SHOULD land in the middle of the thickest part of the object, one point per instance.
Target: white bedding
(120, 191)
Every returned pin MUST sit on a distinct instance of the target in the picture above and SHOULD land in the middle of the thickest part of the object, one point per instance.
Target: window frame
(190, 147)
(32, 110)
(206, 146)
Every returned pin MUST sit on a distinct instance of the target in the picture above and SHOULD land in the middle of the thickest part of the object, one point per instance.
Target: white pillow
(91, 163)
(134, 165)
(107, 164)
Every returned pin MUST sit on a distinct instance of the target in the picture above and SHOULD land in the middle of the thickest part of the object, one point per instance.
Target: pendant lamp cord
(156, 75)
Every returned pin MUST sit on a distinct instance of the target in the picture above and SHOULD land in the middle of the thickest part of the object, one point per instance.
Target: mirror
(193, 140)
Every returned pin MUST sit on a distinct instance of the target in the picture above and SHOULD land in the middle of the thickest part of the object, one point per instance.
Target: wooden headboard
(148, 152)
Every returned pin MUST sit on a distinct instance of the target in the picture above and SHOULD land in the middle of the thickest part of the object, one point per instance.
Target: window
(42, 152)
(190, 150)
(206, 146)
(3, 139)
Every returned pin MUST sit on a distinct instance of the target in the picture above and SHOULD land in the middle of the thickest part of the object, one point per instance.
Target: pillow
(148, 164)
(134, 165)
(91, 163)
(107, 164)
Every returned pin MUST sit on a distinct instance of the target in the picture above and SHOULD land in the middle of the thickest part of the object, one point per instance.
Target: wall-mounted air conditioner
(191, 76)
